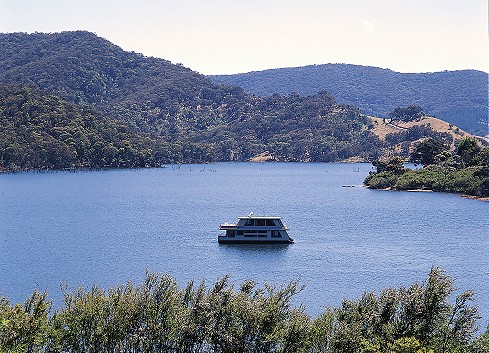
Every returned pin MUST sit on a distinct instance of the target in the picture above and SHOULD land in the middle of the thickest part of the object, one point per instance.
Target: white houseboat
(257, 230)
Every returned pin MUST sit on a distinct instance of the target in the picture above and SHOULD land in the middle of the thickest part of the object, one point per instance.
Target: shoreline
(465, 196)
(163, 165)
(477, 198)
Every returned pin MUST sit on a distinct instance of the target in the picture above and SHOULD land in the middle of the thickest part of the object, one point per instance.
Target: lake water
(108, 227)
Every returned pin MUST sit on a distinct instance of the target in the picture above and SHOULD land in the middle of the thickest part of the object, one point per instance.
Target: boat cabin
(255, 229)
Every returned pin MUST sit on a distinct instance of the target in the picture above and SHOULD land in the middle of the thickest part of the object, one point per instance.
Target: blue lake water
(108, 227)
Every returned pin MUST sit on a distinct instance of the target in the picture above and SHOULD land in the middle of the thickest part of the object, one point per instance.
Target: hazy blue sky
(231, 36)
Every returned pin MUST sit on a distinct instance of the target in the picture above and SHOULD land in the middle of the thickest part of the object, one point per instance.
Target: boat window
(239, 232)
(230, 233)
(251, 235)
(261, 235)
(249, 222)
(276, 234)
(270, 223)
(260, 222)
(251, 231)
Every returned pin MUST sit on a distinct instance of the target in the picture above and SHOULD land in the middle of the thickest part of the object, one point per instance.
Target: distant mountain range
(73, 99)
(458, 97)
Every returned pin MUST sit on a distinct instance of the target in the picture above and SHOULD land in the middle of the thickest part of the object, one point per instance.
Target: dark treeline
(41, 131)
(158, 316)
(466, 170)
(73, 99)
(458, 97)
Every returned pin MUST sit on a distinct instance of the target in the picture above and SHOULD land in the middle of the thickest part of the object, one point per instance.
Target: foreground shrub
(157, 316)
(420, 316)
(25, 327)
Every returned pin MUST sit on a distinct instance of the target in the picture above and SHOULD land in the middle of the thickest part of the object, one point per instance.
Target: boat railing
(224, 226)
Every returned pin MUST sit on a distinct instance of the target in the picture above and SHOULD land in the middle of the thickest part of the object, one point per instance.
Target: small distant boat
(255, 230)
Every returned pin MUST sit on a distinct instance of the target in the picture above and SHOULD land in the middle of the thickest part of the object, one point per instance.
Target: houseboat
(255, 230)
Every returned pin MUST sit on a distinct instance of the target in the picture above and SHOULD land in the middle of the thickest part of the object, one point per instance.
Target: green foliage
(427, 151)
(459, 97)
(417, 132)
(25, 328)
(466, 171)
(41, 131)
(468, 148)
(437, 178)
(387, 173)
(408, 345)
(409, 113)
(125, 318)
(394, 165)
(412, 319)
(429, 178)
(157, 316)
(382, 180)
(481, 343)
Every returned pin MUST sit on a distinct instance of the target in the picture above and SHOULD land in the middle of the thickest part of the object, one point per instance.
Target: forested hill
(185, 116)
(84, 68)
(75, 93)
(459, 97)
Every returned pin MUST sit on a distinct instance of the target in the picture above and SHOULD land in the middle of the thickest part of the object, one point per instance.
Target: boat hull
(227, 240)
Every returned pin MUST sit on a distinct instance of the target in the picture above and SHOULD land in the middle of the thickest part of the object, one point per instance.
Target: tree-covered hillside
(189, 118)
(85, 68)
(42, 131)
(459, 97)
(168, 112)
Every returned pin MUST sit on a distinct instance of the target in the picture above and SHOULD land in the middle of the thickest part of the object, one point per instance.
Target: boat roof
(259, 217)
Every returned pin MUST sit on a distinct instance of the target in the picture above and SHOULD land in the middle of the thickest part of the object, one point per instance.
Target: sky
(235, 36)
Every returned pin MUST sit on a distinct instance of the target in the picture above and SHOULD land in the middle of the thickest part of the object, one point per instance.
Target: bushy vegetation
(465, 171)
(458, 97)
(158, 316)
